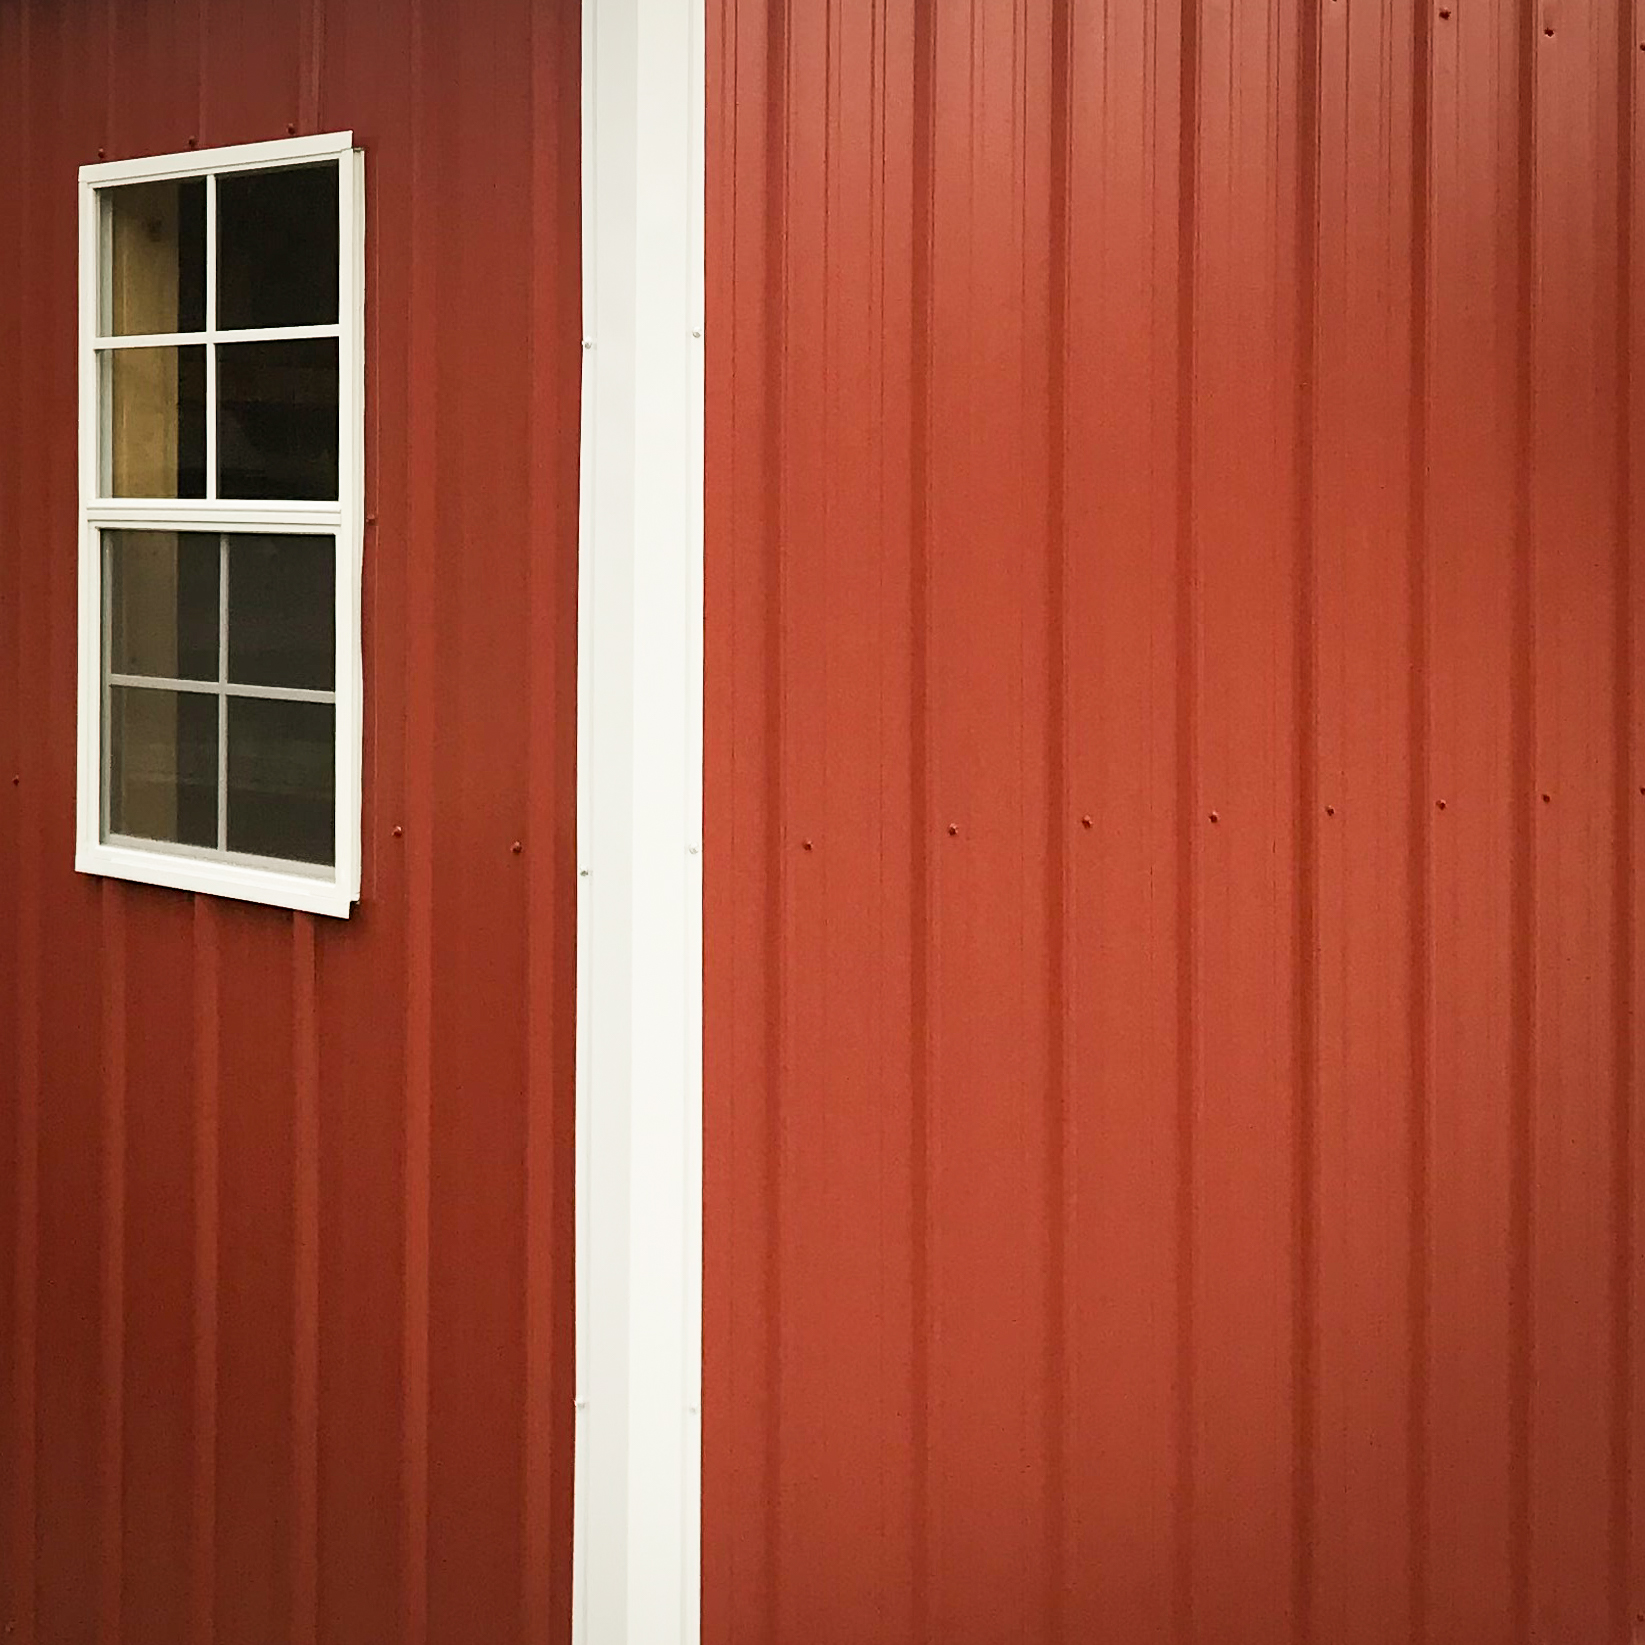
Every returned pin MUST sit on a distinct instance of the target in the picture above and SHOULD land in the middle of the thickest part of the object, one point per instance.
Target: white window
(221, 515)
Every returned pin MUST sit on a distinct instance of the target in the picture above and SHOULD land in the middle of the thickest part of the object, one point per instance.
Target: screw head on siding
(1444, 14)
(806, 844)
(1547, 799)
(517, 848)
(398, 831)
(1085, 822)
(291, 128)
(192, 141)
(1215, 817)
(1330, 811)
(1439, 805)
(953, 828)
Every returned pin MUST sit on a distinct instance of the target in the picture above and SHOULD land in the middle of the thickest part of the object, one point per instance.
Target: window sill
(305, 892)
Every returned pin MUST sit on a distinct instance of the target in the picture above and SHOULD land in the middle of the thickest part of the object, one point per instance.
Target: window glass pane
(277, 419)
(155, 256)
(277, 248)
(163, 764)
(156, 422)
(282, 614)
(280, 778)
(163, 603)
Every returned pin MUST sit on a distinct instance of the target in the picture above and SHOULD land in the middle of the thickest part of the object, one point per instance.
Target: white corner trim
(637, 1562)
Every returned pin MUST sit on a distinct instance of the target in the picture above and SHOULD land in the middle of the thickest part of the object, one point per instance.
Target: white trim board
(637, 1562)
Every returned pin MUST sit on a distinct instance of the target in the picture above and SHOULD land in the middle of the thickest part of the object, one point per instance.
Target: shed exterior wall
(285, 1204)
(1174, 801)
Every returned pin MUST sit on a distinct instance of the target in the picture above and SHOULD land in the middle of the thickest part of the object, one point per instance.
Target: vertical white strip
(211, 336)
(349, 679)
(640, 704)
(222, 693)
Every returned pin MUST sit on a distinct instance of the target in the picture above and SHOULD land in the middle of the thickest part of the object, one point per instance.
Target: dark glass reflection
(163, 603)
(282, 611)
(277, 248)
(281, 778)
(277, 420)
(163, 765)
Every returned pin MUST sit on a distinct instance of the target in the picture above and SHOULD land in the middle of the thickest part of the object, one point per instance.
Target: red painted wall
(1176, 711)
(285, 1204)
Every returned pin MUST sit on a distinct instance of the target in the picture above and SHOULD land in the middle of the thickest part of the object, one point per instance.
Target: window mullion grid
(222, 692)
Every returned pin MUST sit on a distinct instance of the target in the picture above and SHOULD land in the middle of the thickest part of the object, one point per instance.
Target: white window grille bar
(211, 349)
(150, 339)
(105, 760)
(211, 688)
(222, 694)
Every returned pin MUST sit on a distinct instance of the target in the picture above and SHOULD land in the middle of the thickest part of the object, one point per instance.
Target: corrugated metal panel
(1174, 807)
(285, 1204)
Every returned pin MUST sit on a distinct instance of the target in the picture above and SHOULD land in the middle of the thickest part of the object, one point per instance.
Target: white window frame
(315, 890)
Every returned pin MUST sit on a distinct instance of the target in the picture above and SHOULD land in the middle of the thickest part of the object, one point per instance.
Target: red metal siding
(1174, 807)
(285, 1204)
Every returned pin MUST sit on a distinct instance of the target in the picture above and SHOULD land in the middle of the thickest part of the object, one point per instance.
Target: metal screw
(806, 844)
(371, 519)
(953, 828)
(1547, 799)
(398, 831)
(1085, 822)
(1440, 804)
(102, 152)
(1549, 31)
(291, 129)
(1444, 13)
(192, 141)
(1215, 817)
(516, 848)
(1330, 811)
